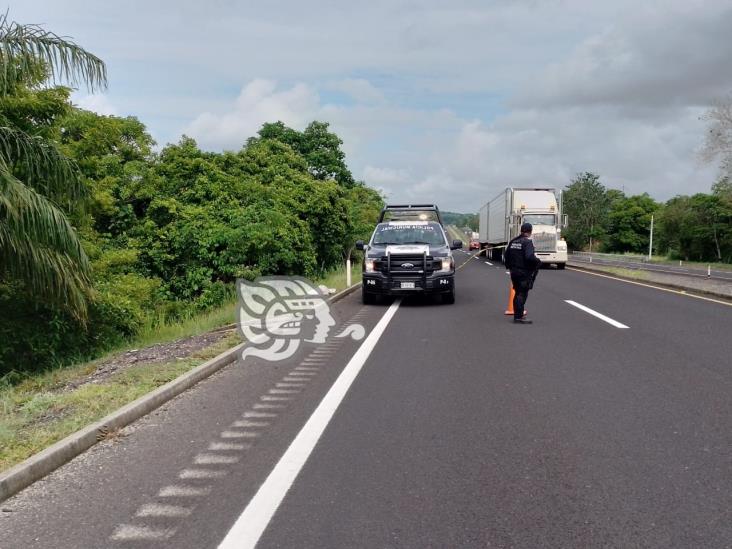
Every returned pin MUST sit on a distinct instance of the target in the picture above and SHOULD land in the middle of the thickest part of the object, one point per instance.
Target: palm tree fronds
(23, 46)
(41, 164)
(39, 246)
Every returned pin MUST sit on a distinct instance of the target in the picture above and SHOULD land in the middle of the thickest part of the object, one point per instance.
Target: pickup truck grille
(397, 260)
(545, 242)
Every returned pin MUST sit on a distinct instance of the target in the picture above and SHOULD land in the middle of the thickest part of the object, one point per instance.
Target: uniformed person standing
(523, 264)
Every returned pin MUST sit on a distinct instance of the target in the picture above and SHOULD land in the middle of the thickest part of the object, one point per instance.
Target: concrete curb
(41, 464)
(666, 285)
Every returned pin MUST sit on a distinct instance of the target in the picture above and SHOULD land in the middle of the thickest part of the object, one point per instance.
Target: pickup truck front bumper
(379, 283)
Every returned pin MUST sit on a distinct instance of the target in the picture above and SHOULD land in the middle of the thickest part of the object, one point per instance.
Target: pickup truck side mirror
(456, 245)
(359, 245)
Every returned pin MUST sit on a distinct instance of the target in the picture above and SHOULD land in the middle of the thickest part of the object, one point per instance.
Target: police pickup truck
(407, 257)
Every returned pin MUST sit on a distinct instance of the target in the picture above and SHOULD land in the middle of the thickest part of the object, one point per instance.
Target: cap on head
(526, 228)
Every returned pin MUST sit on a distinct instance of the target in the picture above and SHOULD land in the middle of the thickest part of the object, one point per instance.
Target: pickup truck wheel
(561, 266)
(367, 298)
(449, 298)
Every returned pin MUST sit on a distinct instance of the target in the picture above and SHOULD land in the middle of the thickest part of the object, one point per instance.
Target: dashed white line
(283, 391)
(250, 525)
(307, 368)
(268, 406)
(161, 510)
(297, 373)
(247, 423)
(296, 379)
(228, 446)
(212, 459)
(286, 385)
(200, 473)
(130, 532)
(273, 398)
(489, 263)
(182, 491)
(596, 314)
(239, 434)
(258, 414)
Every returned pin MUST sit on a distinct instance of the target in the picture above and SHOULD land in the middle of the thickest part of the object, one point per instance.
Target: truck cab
(406, 258)
(549, 246)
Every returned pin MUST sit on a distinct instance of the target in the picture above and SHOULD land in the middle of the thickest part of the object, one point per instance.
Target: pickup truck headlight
(448, 263)
(368, 265)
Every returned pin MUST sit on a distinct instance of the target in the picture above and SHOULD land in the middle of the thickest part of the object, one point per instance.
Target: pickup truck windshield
(409, 234)
(539, 219)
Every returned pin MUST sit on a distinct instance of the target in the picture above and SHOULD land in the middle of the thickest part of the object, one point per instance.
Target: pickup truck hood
(379, 250)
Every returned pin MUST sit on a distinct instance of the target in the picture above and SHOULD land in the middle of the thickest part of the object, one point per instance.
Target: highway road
(606, 423)
(632, 262)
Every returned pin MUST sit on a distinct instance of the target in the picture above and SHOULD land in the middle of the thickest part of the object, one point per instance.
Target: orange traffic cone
(509, 310)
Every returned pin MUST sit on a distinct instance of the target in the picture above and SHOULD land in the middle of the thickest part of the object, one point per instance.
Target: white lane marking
(161, 510)
(239, 434)
(297, 379)
(296, 373)
(268, 406)
(130, 532)
(247, 423)
(307, 368)
(258, 414)
(182, 491)
(273, 398)
(489, 263)
(210, 459)
(596, 314)
(228, 446)
(248, 528)
(283, 391)
(200, 473)
(286, 385)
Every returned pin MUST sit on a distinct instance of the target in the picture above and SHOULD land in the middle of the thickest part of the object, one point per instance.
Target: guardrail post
(348, 272)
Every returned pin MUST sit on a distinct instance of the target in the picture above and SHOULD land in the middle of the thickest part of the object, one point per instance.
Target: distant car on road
(474, 244)
(408, 257)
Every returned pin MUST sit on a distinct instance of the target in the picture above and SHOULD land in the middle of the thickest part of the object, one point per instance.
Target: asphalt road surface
(606, 423)
(623, 262)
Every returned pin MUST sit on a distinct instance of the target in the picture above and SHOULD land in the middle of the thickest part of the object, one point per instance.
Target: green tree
(39, 249)
(629, 223)
(587, 204)
(320, 148)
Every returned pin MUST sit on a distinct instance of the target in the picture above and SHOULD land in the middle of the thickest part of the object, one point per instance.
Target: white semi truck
(500, 220)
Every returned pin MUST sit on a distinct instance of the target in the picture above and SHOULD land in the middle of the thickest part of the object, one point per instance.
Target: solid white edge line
(250, 525)
(596, 314)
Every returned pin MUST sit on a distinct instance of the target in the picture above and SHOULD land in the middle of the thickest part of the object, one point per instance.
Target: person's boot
(522, 321)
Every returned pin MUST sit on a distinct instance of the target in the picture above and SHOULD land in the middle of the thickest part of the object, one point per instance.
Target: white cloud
(360, 90)
(98, 103)
(258, 102)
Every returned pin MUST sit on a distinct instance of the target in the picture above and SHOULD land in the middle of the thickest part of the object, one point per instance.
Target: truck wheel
(561, 266)
(367, 298)
(449, 298)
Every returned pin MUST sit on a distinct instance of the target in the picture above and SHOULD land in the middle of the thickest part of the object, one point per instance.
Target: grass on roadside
(33, 416)
(627, 273)
(37, 412)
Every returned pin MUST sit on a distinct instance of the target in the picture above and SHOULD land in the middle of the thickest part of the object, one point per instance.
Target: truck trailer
(500, 220)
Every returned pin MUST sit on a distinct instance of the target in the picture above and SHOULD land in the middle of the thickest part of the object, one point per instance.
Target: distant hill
(460, 219)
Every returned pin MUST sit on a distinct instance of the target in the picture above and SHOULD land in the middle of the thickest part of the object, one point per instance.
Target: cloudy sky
(435, 101)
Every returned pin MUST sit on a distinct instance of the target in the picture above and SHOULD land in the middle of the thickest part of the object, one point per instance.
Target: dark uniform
(523, 264)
